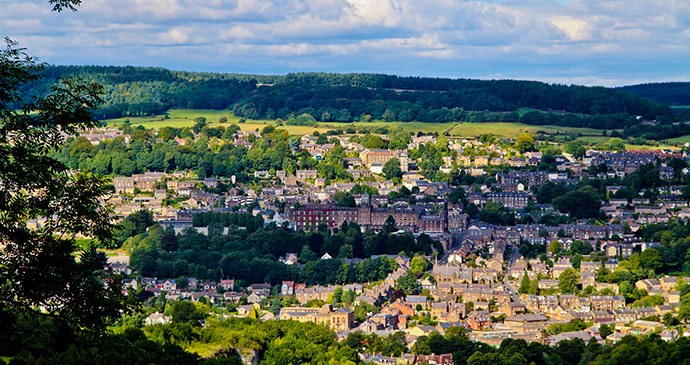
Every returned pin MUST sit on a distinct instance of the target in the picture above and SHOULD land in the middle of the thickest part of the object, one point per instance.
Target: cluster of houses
(165, 194)
(482, 300)
(470, 290)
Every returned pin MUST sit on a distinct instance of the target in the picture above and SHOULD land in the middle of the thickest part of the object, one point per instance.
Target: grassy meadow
(512, 130)
(405, 126)
(180, 118)
(679, 140)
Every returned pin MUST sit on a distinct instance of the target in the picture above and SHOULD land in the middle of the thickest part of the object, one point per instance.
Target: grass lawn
(512, 130)
(634, 147)
(593, 139)
(405, 126)
(251, 125)
(679, 140)
(179, 118)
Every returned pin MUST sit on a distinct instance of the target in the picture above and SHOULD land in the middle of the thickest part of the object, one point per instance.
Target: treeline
(139, 91)
(345, 97)
(460, 101)
(672, 93)
(606, 121)
(249, 252)
(658, 132)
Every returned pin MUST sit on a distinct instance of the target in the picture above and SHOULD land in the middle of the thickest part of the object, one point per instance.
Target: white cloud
(586, 40)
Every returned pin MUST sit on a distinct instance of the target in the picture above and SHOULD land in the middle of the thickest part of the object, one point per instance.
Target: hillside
(671, 93)
(134, 91)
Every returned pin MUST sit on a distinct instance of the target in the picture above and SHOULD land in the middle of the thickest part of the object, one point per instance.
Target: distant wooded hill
(672, 93)
(329, 97)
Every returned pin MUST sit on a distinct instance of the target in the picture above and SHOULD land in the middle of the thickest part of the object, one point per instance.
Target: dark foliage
(672, 93)
(43, 267)
(348, 97)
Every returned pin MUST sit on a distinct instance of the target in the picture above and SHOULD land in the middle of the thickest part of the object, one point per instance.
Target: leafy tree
(525, 142)
(419, 264)
(391, 169)
(373, 141)
(44, 268)
(576, 149)
(362, 310)
(185, 311)
(581, 203)
(555, 247)
(458, 195)
(200, 123)
(605, 330)
(567, 280)
(495, 213)
(524, 284)
(276, 304)
(549, 191)
(348, 297)
(60, 5)
(651, 259)
(346, 252)
(322, 139)
(616, 144)
(684, 309)
(580, 247)
(389, 226)
(344, 199)
(408, 283)
(472, 209)
(400, 141)
(169, 241)
(669, 319)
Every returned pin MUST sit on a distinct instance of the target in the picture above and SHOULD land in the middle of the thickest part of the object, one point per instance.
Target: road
(443, 259)
(514, 256)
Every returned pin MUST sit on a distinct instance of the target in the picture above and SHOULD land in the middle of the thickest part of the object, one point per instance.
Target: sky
(588, 42)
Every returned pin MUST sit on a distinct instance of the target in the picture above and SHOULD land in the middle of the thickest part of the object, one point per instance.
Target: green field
(592, 139)
(405, 126)
(679, 140)
(634, 147)
(179, 118)
(512, 130)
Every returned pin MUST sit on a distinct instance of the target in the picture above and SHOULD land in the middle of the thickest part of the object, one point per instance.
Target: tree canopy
(43, 267)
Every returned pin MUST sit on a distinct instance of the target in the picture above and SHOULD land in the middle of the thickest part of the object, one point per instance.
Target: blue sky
(584, 42)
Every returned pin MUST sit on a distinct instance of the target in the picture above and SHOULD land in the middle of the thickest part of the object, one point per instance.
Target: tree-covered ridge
(672, 93)
(342, 97)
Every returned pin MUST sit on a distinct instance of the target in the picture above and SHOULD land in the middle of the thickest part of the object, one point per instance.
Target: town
(504, 238)
(344, 182)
